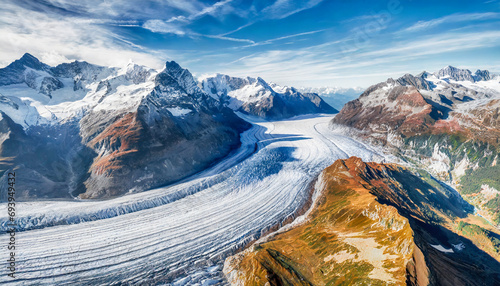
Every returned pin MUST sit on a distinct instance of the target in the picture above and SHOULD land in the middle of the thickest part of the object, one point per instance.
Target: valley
(182, 233)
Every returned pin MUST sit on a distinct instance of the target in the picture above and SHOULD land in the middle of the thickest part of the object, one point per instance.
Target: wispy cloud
(208, 10)
(227, 38)
(270, 41)
(325, 63)
(455, 18)
(24, 30)
(281, 9)
(159, 26)
(178, 25)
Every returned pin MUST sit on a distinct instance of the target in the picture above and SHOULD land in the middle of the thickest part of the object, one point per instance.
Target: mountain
(83, 130)
(375, 224)
(335, 96)
(446, 122)
(462, 74)
(256, 97)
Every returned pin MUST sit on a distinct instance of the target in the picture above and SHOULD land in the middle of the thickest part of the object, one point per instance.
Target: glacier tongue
(181, 232)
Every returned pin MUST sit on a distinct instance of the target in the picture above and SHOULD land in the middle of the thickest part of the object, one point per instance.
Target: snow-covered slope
(444, 96)
(257, 97)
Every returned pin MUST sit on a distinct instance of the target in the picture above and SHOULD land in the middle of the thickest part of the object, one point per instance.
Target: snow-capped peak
(454, 74)
(457, 74)
(136, 73)
(183, 77)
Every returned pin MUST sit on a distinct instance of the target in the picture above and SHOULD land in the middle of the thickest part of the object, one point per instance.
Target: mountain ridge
(450, 128)
(378, 224)
(107, 131)
(255, 96)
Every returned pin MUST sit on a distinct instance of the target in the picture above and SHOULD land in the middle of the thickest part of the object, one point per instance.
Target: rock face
(446, 122)
(96, 132)
(256, 97)
(376, 224)
(455, 74)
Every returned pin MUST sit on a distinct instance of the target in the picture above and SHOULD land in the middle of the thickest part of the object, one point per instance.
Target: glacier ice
(181, 233)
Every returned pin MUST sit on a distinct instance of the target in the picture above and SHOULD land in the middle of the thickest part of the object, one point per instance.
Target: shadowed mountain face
(257, 97)
(376, 224)
(445, 122)
(95, 132)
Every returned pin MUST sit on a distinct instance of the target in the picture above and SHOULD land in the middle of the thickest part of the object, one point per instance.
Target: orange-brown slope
(350, 238)
(119, 139)
(373, 224)
(403, 110)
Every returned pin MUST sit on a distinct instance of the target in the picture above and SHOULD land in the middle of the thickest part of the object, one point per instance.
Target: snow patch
(177, 111)
(442, 249)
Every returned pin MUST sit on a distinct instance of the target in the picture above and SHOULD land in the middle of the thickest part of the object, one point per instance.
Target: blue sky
(300, 43)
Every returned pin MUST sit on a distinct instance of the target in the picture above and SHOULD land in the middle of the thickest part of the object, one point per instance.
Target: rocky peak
(28, 60)
(423, 74)
(482, 75)
(137, 73)
(221, 84)
(455, 74)
(263, 83)
(417, 81)
(14, 73)
(184, 78)
(78, 69)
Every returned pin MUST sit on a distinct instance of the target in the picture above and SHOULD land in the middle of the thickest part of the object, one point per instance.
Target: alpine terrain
(445, 122)
(136, 176)
(87, 131)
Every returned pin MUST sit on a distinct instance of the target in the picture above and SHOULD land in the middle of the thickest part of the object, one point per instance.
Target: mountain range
(102, 132)
(269, 101)
(446, 122)
(429, 216)
(335, 96)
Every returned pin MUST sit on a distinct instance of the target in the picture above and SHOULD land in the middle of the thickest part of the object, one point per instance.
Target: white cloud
(327, 63)
(281, 9)
(159, 26)
(55, 39)
(270, 41)
(455, 18)
(226, 38)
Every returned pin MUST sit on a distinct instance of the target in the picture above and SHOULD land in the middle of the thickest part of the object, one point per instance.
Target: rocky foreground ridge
(376, 224)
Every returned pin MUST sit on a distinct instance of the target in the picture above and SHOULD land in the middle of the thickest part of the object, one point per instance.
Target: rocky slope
(79, 129)
(376, 224)
(256, 97)
(445, 122)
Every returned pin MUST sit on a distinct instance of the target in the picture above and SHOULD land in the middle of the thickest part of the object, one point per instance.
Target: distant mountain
(447, 122)
(335, 96)
(462, 74)
(78, 129)
(256, 97)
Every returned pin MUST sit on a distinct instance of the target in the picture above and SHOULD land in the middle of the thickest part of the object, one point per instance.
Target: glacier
(181, 234)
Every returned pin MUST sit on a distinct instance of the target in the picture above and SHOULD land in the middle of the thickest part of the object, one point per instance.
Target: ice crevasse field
(181, 234)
